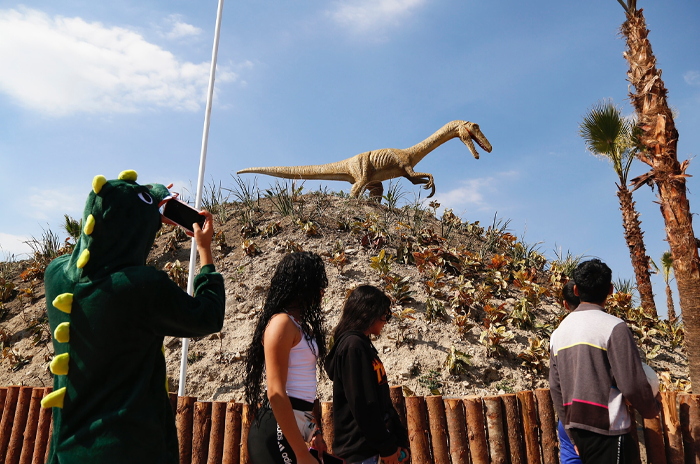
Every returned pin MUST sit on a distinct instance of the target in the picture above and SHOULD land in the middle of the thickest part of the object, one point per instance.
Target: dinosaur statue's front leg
(420, 178)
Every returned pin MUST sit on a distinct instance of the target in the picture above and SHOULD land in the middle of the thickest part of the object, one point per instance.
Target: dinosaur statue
(367, 170)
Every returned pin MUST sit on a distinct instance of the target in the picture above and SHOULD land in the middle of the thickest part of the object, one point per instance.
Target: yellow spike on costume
(98, 182)
(62, 332)
(128, 175)
(54, 399)
(63, 302)
(89, 225)
(59, 364)
(84, 258)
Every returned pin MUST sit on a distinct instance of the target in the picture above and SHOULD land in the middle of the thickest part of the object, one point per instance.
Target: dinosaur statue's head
(469, 131)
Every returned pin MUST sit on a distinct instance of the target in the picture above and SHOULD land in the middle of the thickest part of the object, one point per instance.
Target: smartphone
(183, 214)
(327, 458)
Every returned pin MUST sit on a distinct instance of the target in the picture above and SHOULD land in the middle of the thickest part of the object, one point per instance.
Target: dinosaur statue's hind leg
(376, 190)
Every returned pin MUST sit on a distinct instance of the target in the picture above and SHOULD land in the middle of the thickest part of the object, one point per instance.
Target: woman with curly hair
(288, 342)
(366, 425)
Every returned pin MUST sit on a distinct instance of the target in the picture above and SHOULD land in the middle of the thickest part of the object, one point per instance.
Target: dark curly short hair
(593, 279)
(569, 296)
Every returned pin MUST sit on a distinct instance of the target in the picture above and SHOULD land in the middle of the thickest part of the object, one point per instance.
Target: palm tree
(609, 135)
(666, 271)
(659, 138)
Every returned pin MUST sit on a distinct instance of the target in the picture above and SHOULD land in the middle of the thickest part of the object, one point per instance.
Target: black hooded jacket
(365, 422)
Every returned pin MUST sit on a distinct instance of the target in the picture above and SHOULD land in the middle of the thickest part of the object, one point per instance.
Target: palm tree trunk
(635, 241)
(669, 304)
(660, 137)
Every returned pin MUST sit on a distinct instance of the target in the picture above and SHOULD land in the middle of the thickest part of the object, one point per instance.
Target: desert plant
(495, 314)
(246, 193)
(214, 201)
(309, 228)
(44, 250)
(290, 246)
(449, 222)
(535, 355)
(394, 194)
(250, 248)
(463, 323)
(177, 273)
(463, 295)
(435, 281)
(493, 336)
(398, 288)
(522, 316)
(434, 309)
(457, 362)
(286, 198)
(565, 263)
(496, 236)
(271, 229)
(403, 324)
(382, 263)
(431, 381)
(73, 228)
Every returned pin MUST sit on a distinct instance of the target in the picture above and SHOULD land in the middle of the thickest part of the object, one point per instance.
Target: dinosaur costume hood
(108, 314)
(120, 223)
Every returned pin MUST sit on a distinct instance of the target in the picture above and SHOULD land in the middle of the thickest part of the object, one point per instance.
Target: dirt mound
(474, 306)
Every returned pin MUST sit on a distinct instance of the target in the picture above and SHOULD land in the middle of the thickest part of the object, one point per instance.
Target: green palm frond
(609, 135)
(666, 265)
(630, 7)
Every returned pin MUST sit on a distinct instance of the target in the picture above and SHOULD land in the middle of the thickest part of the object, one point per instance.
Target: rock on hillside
(474, 306)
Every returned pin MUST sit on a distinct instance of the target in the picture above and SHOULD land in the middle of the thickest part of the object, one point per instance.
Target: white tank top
(301, 372)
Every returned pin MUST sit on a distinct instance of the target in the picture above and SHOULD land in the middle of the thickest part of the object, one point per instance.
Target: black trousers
(266, 443)
(594, 448)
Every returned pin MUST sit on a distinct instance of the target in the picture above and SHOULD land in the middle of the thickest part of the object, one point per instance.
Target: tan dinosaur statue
(367, 170)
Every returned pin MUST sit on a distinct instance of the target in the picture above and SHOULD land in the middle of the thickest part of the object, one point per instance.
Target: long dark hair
(364, 306)
(298, 281)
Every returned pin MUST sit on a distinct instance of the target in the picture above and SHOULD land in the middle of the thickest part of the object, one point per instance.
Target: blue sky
(92, 88)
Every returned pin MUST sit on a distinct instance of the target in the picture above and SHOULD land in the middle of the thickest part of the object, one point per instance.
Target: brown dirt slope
(474, 305)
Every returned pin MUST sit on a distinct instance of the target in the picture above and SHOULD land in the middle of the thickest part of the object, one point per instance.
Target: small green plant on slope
(493, 336)
(434, 309)
(535, 355)
(214, 201)
(449, 222)
(382, 263)
(286, 198)
(394, 194)
(398, 288)
(431, 381)
(403, 324)
(457, 362)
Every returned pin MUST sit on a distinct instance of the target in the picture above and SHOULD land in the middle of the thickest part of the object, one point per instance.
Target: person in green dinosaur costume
(109, 312)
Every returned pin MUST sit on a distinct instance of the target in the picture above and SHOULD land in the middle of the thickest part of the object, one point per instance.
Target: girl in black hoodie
(366, 425)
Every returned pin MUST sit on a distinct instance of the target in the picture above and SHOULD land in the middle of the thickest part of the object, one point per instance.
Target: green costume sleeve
(108, 312)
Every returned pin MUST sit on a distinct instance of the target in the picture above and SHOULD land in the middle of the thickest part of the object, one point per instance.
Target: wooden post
(327, 424)
(494, 425)
(514, 427)
(3, 394)
(32, 426)
(173, 401)
(418, 430)
(548, 425)
(530, 427)
(456, 427)
(201, 428)
(397, 398)
(185, 411)
(216, 437)
(476, 432)
(232, 434)
(43, 436)
(672, 428)
(438, 429)
(690, 426)
(8, 418)
(14, 448)
(246, 420)
(654, 440)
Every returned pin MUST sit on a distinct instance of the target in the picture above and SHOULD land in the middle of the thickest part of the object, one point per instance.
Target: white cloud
(366, 15)
(60, 66)
(692, 78)
(180, 29)
(13, 245)
(45, 204)
(474, 193)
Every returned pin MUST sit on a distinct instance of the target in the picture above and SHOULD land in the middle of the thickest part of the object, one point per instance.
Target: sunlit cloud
(692, 78)
(372, 15)
(60, 66)
(180, 29)
(473, 194)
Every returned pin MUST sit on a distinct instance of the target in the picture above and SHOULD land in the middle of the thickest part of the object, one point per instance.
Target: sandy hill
(474, 304)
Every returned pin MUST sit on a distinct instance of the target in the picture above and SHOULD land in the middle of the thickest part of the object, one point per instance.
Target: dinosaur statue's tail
(331, 171)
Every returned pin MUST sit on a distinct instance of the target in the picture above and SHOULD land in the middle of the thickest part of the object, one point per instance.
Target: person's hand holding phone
(203, 238)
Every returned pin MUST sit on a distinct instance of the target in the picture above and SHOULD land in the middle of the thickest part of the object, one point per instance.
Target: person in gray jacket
(595, 369)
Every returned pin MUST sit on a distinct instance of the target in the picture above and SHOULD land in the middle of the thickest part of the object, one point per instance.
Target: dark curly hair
(569, 296)
(297, 281)
(593, 279)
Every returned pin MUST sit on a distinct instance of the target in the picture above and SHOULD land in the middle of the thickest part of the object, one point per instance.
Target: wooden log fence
(506, 429)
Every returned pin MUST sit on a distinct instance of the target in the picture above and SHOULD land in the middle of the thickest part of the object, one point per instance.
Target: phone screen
(182, 214)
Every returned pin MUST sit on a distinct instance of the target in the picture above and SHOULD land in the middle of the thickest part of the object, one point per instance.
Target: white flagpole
(200, 183)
